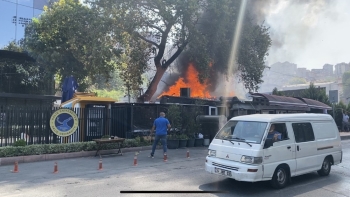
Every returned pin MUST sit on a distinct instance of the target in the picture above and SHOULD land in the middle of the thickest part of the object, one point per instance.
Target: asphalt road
(81, 177)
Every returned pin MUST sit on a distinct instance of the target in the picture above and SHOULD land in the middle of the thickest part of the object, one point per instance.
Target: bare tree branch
(155, 27)
(145, 39)
(176, 54)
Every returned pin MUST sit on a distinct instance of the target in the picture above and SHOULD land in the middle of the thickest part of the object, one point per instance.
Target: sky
(309, 33)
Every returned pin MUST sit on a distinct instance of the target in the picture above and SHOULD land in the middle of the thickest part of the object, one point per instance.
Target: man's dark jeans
(162, 139)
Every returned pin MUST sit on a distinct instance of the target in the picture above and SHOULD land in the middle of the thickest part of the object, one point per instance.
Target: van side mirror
(268, 143)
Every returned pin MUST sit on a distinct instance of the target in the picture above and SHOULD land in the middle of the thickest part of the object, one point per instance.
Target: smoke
(309, 33)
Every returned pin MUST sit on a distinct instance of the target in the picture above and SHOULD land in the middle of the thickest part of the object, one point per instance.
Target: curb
(59, 156)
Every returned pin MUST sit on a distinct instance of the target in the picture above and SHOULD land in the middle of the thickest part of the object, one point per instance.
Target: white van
(244, 149)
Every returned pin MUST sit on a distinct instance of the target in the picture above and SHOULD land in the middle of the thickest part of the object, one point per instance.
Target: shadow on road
(300, 185)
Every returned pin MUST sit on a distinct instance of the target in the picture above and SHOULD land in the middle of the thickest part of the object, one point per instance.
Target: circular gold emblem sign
(64, 122)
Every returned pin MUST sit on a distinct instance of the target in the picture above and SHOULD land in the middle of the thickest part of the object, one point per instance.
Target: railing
(33, 125)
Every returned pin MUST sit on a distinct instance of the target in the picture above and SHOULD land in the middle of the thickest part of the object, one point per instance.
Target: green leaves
(211, 43)
(39, 149)
(71, 39)
(22, 75)
(316, 94)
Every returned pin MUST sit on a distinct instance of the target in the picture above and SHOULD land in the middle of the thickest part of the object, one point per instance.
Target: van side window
(303, 132)
(282, 129)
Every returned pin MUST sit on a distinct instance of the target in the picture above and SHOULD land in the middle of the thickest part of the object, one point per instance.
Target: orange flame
(190, 81)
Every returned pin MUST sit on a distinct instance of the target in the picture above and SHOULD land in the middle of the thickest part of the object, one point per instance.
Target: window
(247, 131)
(303, 132)
(280, 128)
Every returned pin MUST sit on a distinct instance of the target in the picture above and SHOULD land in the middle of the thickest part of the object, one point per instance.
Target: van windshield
(247, 131)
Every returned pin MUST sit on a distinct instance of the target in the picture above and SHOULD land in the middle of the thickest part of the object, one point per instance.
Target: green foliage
(316, 94)
(20, 143)
(190, 124)
(184, 24)
(140, 141)
(114, 94)
(338, 112)
(132, 64)
(68, 38)
(115, 83)
(276, 92)
(183, 137)
(39, 149)
(23, 75)
(172, 137)
(214, 44)
(174, 116)
(346, 84)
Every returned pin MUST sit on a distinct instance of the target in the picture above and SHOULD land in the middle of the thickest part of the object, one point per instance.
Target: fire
(190, 81)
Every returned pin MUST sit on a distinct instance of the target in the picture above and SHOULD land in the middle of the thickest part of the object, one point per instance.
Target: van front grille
(224, 166)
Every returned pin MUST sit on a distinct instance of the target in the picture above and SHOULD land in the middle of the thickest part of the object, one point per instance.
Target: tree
(276, 92)
(70, 39)
(132, 64)
(213, 45)
(182, 26)
(316, 94)
(338, 112)
(346, 84)
(174, 116)
(21, 74)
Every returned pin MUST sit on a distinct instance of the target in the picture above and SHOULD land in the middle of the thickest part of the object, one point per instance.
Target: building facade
(15, 15)
(341, 68)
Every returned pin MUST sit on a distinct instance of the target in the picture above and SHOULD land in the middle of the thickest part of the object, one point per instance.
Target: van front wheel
(326, 167)
(280, 178)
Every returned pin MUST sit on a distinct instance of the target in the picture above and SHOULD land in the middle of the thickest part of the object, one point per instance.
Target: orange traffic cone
(188, 154)
(135, 160)
(165, 157)
(100, 165)
(15, 169)
(55, 169)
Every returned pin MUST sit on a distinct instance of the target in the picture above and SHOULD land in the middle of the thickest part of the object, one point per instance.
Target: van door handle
(288, 147)
(297, 148)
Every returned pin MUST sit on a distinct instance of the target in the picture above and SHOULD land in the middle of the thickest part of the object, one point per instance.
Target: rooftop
(284, 117)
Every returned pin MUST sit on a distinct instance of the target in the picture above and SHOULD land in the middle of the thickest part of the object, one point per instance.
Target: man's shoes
(151, 156)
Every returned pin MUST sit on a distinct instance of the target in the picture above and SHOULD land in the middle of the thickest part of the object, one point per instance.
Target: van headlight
(251, 160)
(212, 153)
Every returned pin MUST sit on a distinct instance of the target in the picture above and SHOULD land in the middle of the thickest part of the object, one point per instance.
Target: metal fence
(33, 125)
(125, 121)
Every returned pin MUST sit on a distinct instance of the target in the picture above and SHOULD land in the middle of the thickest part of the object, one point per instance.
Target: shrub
(38, 149)
(20, 143)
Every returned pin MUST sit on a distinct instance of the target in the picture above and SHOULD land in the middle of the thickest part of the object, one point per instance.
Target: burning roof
(189, 80)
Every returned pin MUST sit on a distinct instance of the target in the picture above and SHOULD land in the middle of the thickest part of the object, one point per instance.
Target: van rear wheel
(280, 178)
(326, 167)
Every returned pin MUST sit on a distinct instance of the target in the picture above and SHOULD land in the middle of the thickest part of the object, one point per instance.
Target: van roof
(284, 117)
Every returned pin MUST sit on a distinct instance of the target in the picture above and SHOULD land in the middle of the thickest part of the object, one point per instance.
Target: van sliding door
(306, 147)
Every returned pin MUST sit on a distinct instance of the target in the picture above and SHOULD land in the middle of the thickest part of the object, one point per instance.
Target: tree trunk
(152, 88)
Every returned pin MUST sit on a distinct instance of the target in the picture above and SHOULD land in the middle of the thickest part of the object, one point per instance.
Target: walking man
(161, 125)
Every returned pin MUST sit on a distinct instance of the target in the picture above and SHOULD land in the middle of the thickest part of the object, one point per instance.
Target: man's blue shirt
(161, 125)
(271, 134)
